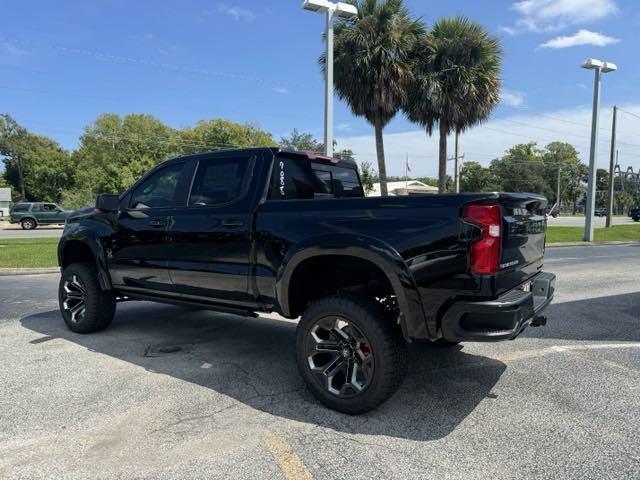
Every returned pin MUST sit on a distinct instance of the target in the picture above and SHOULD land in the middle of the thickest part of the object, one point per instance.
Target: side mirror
(108, 202)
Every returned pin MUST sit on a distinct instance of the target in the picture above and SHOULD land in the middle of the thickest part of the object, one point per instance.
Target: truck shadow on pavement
(252, 361)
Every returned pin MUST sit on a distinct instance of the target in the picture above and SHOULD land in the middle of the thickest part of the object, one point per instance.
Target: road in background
(561, 401)
(15, 231)
(598, 222)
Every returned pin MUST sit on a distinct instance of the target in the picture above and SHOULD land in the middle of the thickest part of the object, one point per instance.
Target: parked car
(32, 214)
(600, 212)
(263, 230)
(634, 213)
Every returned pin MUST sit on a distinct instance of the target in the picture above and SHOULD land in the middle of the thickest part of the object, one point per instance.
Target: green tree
(564, 157)
(521, 169)
(456, 81)
(13, 140)
(36, 166)
(306, 142)
(372, 66)
(303, 141)
(368, 176)
(219, 134)
(115, 151)
(602, 187)
(622, 201)
(476, 178)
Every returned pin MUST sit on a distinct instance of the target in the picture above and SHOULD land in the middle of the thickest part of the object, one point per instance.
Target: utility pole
(611, 168)
(558, 190)
(406, 172)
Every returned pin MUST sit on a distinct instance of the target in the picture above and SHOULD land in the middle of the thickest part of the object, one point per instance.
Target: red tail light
(485, 251)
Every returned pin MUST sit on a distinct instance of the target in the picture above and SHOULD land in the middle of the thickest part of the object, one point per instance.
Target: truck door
(210, 238)
(138, 255)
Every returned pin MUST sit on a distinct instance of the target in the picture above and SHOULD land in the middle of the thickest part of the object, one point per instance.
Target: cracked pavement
(169, 392)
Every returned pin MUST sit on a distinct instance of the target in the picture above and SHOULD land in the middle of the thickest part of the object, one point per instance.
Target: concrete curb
(590, 244)
(27, 271)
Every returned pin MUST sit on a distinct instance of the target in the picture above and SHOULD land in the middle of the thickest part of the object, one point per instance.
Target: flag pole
(406, 172)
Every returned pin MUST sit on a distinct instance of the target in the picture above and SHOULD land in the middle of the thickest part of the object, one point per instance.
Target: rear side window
(219, 181)
(20, 207)
(37, 207)
(291, 179)
(159, 190)
(302, 179)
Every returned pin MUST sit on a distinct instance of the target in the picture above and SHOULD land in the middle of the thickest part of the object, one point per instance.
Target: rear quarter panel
(423, 230)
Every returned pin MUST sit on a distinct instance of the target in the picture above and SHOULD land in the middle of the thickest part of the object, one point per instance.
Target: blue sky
(256, 61)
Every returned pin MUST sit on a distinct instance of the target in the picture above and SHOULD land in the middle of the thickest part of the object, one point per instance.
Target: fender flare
(90, 239)
(382, 255)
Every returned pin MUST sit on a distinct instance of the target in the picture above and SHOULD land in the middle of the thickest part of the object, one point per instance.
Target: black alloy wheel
(339, 356)
(350, 353)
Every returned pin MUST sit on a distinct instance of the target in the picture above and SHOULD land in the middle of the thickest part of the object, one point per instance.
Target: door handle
(232, 222)
(158, 223)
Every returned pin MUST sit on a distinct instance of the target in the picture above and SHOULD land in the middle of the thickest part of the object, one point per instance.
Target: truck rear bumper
(501, 319)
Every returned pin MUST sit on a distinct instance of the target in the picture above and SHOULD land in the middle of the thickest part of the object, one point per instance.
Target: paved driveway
(561, 401)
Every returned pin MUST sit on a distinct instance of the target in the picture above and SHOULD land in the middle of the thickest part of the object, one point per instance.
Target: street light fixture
(341, 10)
(599, 67)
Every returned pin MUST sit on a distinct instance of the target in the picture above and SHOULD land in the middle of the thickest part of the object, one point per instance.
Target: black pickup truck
(271, 230)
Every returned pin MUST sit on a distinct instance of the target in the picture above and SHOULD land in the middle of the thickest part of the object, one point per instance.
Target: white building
(410, 187)
(5, 201)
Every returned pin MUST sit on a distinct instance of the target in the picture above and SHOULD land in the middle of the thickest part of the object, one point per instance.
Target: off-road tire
(28, 224)
(384, 342)
(99, 306)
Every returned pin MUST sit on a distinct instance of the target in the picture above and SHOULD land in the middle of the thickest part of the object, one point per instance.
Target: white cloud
(512, 98)
(237, 13)
(281, 90)
(581, 37)
(490, 140)
(507, 30)
(554, 15)
(10, 49)
(343, 127)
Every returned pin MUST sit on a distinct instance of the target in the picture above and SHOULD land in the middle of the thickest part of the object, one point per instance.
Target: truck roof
(276, 151)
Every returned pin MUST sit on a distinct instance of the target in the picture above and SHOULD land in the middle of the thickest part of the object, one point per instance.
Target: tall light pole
(599, 67)
(611, 169)
(331, 10)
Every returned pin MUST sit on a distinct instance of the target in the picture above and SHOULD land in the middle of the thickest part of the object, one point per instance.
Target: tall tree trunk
(456, 165)
(442, 159)
(382, 169)
(21, 178)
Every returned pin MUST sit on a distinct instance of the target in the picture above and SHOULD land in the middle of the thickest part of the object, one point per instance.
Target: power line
(128, 101)
(136, 61)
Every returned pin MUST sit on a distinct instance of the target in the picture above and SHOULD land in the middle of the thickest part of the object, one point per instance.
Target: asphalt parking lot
(169, 392)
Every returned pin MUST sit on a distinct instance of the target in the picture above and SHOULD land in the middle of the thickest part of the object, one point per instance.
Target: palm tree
(372, 64)
(456, 81)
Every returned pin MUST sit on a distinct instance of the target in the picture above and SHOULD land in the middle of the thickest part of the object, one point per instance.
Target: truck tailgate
(523, 239)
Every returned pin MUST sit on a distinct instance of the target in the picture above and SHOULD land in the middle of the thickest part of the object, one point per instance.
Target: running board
(187, 303)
